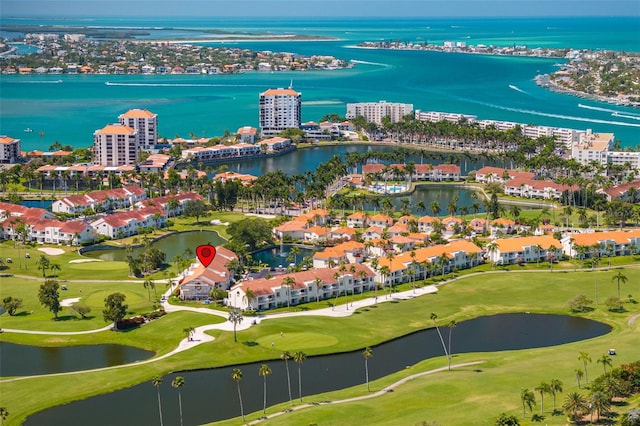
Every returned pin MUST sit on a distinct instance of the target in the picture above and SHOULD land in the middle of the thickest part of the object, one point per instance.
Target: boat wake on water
(517, 89)
(42, 82)
(356, 61)
(615, 113)
(564, 117)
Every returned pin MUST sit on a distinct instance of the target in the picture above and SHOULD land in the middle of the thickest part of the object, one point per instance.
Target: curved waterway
(23, 360)
(211, 395)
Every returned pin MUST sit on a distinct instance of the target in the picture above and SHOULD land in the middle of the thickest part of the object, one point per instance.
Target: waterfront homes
(107, 199)
(297, 227)
(124, 224)
(490, 174)
(145, 124)
(279, 109)
(115, 145)
(373, 112)
(592, 147)
(9, 150)
(423, 262)
(155, 163)
(301, 287)
(608, 243)
(218, 152)
(198, 282)
(425, 172)
(247, 134)
(275, 144)
(509, 251)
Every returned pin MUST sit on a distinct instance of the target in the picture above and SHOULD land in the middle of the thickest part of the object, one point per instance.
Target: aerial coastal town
(350, 235)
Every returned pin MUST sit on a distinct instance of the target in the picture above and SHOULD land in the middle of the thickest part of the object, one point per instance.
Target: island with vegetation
(76, 54)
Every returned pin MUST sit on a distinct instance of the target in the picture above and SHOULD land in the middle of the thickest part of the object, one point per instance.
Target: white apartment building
(115, 145)
(146, 125)
(280, 109)
(436, 116)
(9, 150)
(620, 158)
(592, 147)
(374, 111)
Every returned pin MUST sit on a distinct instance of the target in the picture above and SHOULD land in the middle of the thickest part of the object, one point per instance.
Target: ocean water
(70, 108)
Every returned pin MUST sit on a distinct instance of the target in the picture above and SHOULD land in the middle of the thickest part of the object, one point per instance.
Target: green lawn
(438, 397)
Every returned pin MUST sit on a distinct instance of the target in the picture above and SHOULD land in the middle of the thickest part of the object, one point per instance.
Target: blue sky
(325, 8)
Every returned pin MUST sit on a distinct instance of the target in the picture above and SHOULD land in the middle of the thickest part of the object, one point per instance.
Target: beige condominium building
(115, 145)
(280, 109)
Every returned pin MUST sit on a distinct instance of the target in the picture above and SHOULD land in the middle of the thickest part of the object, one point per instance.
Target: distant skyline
(309, 8)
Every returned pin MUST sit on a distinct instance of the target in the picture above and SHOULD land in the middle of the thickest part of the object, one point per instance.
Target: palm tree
(264, 372)
(235, 317)
(620, 277)
(299, 358)
(236, 375)
(288, 282)
(157, 381)
(579, 373)
(367, 353)
(177, 383)
(543, 388)
(147, 284)
(286, 356)
(452, 324)
(528, 399)
(599, 401)
(606, 361)
(585, 358)
(556, 387)
(575, 403)
(433, 317)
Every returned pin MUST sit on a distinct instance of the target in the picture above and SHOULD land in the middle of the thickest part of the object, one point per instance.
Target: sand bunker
(51, 251)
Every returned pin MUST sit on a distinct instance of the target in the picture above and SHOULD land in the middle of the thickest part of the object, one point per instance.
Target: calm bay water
(207, 105)
(211, 395)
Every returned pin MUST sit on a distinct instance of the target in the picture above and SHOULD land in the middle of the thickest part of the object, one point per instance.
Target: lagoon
(23, 360)
(211, 395)
(171, 245)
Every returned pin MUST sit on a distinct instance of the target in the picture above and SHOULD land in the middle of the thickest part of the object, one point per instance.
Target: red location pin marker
(205, 254)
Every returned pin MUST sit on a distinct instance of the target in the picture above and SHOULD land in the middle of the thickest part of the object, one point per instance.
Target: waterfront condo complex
(115, 145)
(374, 111)
(146, 125)
(280, 109)
(9, 150)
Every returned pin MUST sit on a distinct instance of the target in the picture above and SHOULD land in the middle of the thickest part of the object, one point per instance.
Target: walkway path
(381, 392)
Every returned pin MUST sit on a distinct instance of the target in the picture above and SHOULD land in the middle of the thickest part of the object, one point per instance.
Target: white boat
(28, 130)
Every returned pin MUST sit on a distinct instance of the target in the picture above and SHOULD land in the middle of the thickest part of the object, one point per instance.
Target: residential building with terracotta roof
(343, 233)
(279, 109)
(107, 199)
(608, 243)
(115, 145)
(349, 252)
(275, 144)
(380, 220)
(247, 134)
(525, 187)
(524, 249)
(428, 261)
(9, 150)
(490, 174)
(125, 224)
(155, 163)
(426, 224)
(165, 202)
(198, 282)
(145, 124)
(308, 286)
(357, 220)
(623, 190)
(244, 179)
(316, 234)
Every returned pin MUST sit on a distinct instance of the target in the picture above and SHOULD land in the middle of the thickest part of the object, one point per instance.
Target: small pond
(281, 255)
(211, 395)
(22, 360)
(171, 245)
